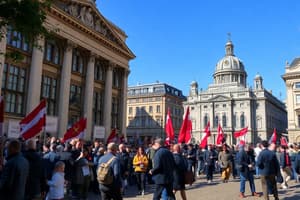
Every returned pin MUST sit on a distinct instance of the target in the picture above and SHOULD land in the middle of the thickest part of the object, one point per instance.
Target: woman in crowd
(56, 184)
(140, 164)
(224, 160)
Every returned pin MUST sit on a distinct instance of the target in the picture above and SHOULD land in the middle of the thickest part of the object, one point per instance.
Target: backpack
(104, 173)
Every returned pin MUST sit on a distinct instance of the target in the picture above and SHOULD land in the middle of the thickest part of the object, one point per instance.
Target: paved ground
(217, 191)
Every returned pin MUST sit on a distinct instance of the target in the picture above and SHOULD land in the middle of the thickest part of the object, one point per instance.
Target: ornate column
(2, 54)
(35, 77)
(124, 102)
(64, 92)
(88, 96)
(108, 99)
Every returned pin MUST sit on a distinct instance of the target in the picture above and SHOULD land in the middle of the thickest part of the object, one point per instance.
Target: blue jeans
(164, 194)
(244, 176)
(200, 166)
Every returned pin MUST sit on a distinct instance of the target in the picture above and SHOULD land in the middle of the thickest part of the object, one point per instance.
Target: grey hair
(59, 164)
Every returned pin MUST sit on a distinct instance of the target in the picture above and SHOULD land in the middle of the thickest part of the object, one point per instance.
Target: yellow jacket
(140, 163)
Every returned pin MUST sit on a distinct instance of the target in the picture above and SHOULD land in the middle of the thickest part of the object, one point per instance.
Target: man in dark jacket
(191, 159)
(112, 191)
(162, 170)
(210, 158)
(123, 156)
(36, 184)
(269, 169)
(14, 175)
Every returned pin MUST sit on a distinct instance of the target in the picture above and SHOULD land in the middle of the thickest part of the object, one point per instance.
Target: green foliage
(25, 16)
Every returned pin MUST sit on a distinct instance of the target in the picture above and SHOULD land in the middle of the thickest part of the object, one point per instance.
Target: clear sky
(178, 41)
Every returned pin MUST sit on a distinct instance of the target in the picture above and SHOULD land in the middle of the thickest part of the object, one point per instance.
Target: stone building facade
(82, 70)
(147, 107)
(292, 81)
(228, 101)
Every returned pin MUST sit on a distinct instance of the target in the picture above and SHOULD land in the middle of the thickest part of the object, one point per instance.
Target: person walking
(140, 164)
(285, 167)
(123, 156)
(224, 159)
(14, 175)
(200, 160)
(113, 190)
(210, 157)
(191, 159)
(269, 169)
(162, 170)
(246, 166)
(180, 169)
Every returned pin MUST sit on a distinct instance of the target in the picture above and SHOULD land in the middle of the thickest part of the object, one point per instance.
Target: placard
(51, 124)
(13, 129)
(99, 132)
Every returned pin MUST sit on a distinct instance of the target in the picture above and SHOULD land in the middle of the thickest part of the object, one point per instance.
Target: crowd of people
(35, 170)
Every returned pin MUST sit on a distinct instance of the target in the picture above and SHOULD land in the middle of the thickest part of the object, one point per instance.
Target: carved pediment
(85, 12)
(219, 98)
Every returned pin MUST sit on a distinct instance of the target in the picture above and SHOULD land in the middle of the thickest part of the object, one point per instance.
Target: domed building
(230, 102)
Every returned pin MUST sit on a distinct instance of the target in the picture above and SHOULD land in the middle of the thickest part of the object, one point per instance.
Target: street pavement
(216, 191)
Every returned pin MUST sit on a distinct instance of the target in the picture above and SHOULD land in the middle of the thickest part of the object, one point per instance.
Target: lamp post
(161, 127)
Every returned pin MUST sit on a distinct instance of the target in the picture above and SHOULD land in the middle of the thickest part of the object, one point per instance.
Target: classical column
(108, 99)
(35, 77)
(2, 54)
(64, 92)
(88, 96)
(124, 102)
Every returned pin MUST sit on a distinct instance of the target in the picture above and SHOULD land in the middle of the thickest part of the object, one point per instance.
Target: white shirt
(56, 190)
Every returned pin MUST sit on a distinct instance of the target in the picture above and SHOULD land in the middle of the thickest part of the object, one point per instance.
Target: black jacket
(36, 178)
(164, 165)
(13, 178)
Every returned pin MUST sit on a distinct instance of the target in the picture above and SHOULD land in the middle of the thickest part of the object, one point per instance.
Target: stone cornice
(55, 11)
(290, 76)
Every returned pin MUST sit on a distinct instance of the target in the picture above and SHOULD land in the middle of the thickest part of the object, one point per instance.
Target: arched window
(224, 121)
(234, 120)
(52, 52)
(242, 120)
(216, 121)
(205, 120)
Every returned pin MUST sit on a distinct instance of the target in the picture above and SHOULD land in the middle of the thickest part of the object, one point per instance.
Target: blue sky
(178, 41)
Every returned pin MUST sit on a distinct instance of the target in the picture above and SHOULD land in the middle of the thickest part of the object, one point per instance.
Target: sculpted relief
(89, 18)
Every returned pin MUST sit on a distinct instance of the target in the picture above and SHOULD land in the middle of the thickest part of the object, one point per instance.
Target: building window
(16, 40)
(130, 110)
(298, 98)
(158, 109)
(297, 85)
(224, 120)
(137, 110)
(234, 121)
(216, 121)
(100, 71)
(298, 121)
(224, 105)
(77, 62)
(52, 52)
(115, 113)
(242, 120)
(150, 109)
(98, 107)
(49, 92)
(75, 95)
(13, 85)
(205, 120)
(117, 78)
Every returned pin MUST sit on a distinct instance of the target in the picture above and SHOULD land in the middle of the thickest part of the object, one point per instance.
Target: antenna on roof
(229, 37)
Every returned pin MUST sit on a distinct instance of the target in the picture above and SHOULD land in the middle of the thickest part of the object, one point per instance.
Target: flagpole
(44, 142)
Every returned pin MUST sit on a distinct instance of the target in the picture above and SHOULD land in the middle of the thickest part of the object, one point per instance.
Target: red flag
(33, 123)
(241, 132)
(283, 142)
(76, 131)
(113, 136)
(169, 129)
(220, 137)
(188, 134)
(273, 138)
(185, 130)
(1, 115)
(207, 134)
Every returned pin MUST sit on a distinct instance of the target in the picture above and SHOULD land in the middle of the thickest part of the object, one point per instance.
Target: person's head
(59, 166)
(283, 148)
(14, 147)
(158, 143)
(53, 147)
(96, 143)
(190, 146)
(31, 144)
(122, 147)
(258, 145)
(224, 147)
(264, 144)
(209, 147)
(112, 148)
(101, 150)
(272, 147)
(141, 151)
(176, 148)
